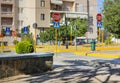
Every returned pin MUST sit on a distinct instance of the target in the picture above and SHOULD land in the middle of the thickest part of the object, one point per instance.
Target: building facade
(17, 14)
(8, 14)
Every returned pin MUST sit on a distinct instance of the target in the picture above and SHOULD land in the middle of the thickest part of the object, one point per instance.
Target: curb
(102, 55)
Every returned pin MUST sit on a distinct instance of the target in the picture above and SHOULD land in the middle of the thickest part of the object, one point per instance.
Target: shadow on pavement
(79, 71)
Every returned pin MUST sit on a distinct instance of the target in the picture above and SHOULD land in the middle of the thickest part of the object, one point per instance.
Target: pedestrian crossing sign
(56, 24)
(99, 24)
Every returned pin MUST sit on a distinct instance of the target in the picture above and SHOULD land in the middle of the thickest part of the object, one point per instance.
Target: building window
(20, 10)
(79, 7)
(67, 7)
(42, 3)
(20, 22)
(42, 17)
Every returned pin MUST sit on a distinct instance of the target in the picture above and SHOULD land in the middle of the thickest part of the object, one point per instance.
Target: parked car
(78, 43)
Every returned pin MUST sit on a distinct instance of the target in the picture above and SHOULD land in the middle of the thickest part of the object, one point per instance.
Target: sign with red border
(56, 17)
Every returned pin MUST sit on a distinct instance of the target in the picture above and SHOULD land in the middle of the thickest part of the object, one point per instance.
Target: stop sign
(99, 17)
(56, 17)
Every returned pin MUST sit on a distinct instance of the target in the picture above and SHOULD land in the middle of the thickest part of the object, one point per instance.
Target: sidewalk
(69, 68)
(103, 54)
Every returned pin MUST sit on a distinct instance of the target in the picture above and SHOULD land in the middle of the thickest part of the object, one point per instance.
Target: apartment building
(34, 11)
(8, 16)
(17, 14)
(77, 8)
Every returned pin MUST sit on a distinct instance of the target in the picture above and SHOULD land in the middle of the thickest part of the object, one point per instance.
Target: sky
(100, 5)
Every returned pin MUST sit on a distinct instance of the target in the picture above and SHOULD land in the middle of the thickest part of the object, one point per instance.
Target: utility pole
(88, 15)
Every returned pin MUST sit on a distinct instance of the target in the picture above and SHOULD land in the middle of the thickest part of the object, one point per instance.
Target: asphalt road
(69, 68)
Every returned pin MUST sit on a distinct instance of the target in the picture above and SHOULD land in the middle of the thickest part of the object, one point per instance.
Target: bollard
(66, 44)
(93, 45)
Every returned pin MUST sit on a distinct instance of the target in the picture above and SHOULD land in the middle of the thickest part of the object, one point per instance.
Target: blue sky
(100, 5)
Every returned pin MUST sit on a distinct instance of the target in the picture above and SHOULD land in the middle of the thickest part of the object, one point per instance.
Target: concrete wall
(11, 67)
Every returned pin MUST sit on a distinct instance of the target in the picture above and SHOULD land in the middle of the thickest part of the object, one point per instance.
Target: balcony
(57, 2)
(69, 0)
(7, 14)
(5, 21)
(76, 14)
(7, 1)
(71, 14)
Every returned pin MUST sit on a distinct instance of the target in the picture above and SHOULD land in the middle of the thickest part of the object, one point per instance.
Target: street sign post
(56, 17)
(26, 30)
(56, 24)
(99, 17)
(99, 24)
(7, 31)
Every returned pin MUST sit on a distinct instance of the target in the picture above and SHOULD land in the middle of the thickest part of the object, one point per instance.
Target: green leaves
(65, 31)
(111, 18)
(24, 47)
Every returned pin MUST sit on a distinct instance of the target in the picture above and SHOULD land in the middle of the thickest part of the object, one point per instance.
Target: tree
(44, 37)
(111, 18)
(81, 27)
(65, 31)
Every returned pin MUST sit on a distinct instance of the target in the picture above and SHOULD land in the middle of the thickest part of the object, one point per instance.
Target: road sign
(35, 25)
(7, 30)
(56, 17)
(99, 24)
(25, 30)
(56, 24)
(99, 17)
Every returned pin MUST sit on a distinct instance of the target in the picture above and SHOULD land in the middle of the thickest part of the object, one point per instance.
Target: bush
(15, 42)
(27, 37)
(24, 47)
(109, 40)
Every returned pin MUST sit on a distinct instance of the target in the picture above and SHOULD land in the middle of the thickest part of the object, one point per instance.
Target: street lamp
(34, 26)
(66, 33)
(75, 27)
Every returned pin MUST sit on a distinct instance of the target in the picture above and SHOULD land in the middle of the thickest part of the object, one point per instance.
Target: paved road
(69, 68)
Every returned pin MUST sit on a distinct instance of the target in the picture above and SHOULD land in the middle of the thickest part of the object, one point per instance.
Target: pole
(56, 40)
(99, 35)
(102, 37)
(75, 42)
(75, 27)
(71, 35)
(88, 12)
(66, 33)
(35, 40)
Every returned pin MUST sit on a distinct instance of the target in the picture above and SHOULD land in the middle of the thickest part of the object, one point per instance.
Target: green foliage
(65, 31)
(111, 18)
(24, 47)
(43, 37)
(81, 27)
(27, 37)
(50, 33)
(3, 32)
(109, 40)
(15, 42)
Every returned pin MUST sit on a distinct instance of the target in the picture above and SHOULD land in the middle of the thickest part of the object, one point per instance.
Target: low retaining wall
(11, 65)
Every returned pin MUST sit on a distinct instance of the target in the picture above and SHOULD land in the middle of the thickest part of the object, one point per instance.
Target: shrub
(15, 42)
(27, 37)
(24, 47)
(109, 40)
